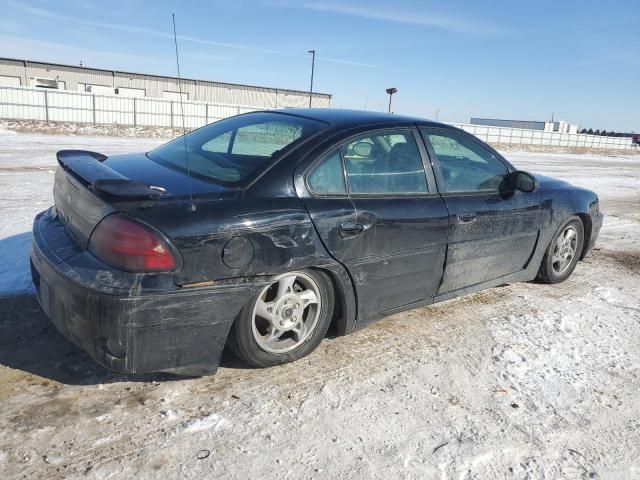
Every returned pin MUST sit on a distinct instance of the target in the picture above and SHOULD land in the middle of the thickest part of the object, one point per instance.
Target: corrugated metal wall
(156, 86)
(494, 122)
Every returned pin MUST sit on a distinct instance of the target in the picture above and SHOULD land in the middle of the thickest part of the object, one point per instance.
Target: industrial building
(561, 127)
(51, 76)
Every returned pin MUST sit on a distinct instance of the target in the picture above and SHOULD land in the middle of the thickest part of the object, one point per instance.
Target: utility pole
(313, 65)
(391, 91)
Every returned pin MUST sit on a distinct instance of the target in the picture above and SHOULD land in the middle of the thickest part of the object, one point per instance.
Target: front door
(394, 244)
(491, 233)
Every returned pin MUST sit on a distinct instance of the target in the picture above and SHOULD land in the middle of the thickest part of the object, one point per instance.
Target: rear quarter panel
(243, 237)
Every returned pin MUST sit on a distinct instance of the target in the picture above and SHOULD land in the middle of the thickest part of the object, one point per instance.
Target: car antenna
(192, 206)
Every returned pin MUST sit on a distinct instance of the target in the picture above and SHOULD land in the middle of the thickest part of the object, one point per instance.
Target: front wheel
(285, 321)
(563, 252)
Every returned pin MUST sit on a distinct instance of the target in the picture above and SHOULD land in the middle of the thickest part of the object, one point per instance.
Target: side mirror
(362, 149)
(523, 181)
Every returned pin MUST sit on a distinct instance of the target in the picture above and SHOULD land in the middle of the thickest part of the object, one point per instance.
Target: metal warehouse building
(495, 122)
(562, 126)
(51, 76)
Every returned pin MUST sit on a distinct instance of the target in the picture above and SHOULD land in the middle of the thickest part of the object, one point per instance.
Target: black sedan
(262, 231)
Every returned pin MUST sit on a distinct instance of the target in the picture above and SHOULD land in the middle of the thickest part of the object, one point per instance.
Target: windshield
(232, 149)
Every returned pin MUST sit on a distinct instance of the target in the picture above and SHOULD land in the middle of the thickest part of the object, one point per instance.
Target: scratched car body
(262, 231)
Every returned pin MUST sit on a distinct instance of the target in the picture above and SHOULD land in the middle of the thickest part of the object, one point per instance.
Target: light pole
(313, 65)
(391, 91)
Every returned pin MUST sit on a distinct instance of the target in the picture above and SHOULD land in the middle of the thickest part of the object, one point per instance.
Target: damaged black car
(262, 231)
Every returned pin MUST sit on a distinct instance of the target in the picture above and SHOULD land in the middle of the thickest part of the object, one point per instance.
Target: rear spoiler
(101, 179)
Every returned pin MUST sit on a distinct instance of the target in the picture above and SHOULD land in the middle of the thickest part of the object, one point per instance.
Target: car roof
(352, 118)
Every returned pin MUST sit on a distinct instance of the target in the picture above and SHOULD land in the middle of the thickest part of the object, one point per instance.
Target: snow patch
(15, 276)
(6, 133)
(213, 422)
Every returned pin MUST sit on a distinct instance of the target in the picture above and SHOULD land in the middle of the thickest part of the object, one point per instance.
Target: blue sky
(504, 59)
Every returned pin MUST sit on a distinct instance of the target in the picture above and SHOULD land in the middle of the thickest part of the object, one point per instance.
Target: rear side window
(465, 166)
(384, 164)
(327, 178)
(233, 149)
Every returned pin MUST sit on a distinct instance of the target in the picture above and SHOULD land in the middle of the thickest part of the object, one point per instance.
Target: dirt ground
(521, 381)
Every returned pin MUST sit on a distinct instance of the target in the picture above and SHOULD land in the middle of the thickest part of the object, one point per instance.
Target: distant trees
(604, 133)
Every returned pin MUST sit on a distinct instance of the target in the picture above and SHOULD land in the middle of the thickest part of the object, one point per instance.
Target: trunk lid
(88, 186)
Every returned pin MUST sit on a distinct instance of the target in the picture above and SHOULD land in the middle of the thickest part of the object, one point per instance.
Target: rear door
(389, 225)
(491, 234)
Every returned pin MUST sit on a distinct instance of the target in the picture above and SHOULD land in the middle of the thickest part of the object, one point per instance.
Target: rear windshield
(231, 150)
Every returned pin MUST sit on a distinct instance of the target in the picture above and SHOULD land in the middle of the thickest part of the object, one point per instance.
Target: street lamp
(313, 64)
(391, 91)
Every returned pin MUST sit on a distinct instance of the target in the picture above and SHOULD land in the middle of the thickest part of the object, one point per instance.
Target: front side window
(384, 164)
(465, 166)
(233, 149)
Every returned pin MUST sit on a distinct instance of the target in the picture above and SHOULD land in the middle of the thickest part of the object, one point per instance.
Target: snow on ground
(524, 381)
(27, 167)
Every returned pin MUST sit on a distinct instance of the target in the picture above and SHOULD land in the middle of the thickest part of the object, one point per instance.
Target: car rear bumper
(123, 325)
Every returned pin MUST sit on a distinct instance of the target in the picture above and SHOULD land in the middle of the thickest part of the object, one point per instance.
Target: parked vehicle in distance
(262, 230)
(636, 139)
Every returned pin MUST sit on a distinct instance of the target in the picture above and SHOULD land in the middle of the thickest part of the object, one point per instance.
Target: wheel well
(586, 223)
(338, 326)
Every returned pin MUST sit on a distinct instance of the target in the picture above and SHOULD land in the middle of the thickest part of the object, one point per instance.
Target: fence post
(46, 106)
(238, 110)
(171, 105)
(135, 121)
(93, 103)
(206, 114)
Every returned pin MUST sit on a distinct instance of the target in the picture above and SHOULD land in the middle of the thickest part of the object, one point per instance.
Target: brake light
(129, 245)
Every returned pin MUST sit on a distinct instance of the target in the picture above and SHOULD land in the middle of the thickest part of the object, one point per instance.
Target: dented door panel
(498, 241)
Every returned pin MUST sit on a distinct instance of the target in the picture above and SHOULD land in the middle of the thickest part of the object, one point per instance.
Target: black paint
(411, 250)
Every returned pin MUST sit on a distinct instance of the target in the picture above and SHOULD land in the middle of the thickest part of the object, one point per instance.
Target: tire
(554, 270)
(286, 335)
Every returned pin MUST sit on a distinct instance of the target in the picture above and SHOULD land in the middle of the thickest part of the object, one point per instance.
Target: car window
(219, 144)
(235, 148)
(464, 164)
(327, 178)
(265, 139)
(384, 164)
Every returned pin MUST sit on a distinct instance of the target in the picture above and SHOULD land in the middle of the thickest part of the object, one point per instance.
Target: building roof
(113, 72)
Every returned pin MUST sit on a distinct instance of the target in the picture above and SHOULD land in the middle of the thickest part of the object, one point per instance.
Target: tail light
(130, 245)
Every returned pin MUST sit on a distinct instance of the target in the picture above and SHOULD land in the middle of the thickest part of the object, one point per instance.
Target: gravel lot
(524, 381)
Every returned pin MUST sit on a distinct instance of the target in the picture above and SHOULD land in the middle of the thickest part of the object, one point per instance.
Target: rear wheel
(285, 321)
(563, 252)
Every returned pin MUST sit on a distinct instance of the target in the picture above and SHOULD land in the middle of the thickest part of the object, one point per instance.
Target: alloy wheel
(286, 313)
(564, 250)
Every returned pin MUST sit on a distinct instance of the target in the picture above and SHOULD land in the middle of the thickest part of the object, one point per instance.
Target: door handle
(466, 217)
(350, 229)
